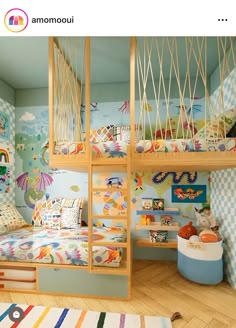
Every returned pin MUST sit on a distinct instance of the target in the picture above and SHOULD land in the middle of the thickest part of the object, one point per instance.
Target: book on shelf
(147, 204)
(158, 236)
(158, 204)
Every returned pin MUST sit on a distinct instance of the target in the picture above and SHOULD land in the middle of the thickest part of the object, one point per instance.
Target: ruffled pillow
(219, 126)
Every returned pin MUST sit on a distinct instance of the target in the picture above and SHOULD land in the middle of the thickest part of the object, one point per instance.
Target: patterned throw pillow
(103, 134)
(72, 202)
(51, 219)
(219, 126)
(10, 218)
(40, 206)
(70, 217)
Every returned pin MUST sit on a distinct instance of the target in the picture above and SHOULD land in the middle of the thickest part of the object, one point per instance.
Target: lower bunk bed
(56, 261)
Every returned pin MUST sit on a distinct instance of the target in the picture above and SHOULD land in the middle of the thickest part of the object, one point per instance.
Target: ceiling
(24, 60)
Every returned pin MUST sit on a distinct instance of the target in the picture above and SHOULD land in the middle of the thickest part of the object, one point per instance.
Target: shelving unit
(145, 242)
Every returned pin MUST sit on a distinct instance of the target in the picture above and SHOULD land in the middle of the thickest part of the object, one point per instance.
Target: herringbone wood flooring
(158, 289)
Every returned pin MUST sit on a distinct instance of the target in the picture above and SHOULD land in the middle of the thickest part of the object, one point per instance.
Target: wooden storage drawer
(17, 273)
(11, 284)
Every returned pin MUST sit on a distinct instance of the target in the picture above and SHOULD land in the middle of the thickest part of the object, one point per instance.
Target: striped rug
(51, 317)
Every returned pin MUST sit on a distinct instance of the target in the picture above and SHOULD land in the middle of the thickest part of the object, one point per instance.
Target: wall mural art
(35, 180)
(4, 126)
(5, 179)
(32, 149)
(188, 194)
(159, 177)
(7, 152)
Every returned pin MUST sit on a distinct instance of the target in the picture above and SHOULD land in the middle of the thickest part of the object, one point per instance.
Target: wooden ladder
(107, 165)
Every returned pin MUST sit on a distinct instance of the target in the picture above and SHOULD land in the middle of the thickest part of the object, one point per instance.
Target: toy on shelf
(158, 204)
(166, 220)
(159, 236)
(146, 219)
(187, 230)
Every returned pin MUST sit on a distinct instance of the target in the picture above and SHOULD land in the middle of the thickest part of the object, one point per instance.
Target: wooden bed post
(132, 95)
(51, 93)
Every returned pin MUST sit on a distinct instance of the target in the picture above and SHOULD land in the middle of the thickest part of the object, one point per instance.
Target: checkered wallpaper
(223, 186)
(225, 96)
(10, 111)
(223, 205)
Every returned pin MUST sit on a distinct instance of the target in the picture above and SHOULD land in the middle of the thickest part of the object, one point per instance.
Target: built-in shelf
(145, 242)
(166, 211)
(158, 226)
(174, 226)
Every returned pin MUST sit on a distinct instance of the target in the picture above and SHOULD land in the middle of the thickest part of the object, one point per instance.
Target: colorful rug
(30, 316)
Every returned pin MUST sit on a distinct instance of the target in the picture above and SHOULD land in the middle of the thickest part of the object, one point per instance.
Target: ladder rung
(109, 244)
(109, 217)
(109, 189)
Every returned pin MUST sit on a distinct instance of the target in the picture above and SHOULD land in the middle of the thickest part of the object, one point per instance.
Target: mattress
(64, 246)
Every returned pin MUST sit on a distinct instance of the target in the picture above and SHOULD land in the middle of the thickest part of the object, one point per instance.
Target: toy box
(200, 262)
(158, 236)
(158, 204)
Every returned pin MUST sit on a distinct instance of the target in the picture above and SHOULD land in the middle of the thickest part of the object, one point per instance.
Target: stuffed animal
(205, 220)
(187, 231)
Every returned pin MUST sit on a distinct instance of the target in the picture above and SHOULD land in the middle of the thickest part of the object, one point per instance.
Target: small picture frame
(158, 204)
(147, 204)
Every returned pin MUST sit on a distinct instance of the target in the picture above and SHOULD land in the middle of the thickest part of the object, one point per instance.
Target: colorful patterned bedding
(65, 246)
(118, 149)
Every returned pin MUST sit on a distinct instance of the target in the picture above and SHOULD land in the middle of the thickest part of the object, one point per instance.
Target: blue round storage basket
(200, 262)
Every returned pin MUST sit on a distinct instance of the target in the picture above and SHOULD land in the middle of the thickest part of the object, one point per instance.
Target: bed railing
(69, 75)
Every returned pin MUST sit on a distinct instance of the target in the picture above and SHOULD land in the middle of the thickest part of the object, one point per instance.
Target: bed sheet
(64, 246)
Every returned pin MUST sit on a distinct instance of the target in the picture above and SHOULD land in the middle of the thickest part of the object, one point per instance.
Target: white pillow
(70, 217)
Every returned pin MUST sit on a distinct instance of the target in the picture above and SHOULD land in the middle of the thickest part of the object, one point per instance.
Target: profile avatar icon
(16, 314)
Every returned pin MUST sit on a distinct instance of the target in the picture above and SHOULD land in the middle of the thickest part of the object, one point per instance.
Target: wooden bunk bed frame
(84, 162)
(158, 161)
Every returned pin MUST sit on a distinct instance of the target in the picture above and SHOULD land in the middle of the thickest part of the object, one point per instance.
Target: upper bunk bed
(181, 108)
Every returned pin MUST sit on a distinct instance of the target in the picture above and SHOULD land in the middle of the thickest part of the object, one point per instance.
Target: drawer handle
(1, 273)
(56, 269)
(1, 285)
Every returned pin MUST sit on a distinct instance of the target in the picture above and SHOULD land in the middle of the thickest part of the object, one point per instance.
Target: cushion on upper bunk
(122, 133)
(10, 218)
(102, 134)
(219, 126)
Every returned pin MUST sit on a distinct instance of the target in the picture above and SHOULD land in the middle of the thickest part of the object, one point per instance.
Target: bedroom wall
(223, 197)
(7, 152)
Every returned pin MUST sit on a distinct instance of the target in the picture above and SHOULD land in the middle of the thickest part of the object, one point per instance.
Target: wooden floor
(158, 289)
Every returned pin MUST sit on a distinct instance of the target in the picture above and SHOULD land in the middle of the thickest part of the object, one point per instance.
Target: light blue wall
(7, 93)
